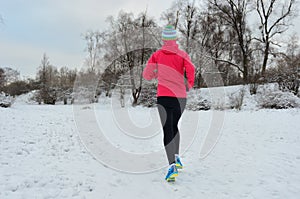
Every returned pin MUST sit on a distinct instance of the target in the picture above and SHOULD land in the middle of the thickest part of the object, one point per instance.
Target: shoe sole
(179, 167)
(172, 177)
(171, 180)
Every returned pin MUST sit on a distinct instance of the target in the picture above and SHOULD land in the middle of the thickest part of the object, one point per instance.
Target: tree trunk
(245, 69)
(266, 57)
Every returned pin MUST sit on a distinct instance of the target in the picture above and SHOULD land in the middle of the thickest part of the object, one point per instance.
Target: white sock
(173, 164)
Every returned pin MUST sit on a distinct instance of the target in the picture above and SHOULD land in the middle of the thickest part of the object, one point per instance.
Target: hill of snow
(46, 154)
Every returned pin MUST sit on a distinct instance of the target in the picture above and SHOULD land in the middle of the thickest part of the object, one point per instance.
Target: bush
(47, 96)
(17, 88)
(219, 104)
(290, 84)
(148, 97)
(236, 99)
(37, 97)
(64, 95)
(85, 94)
(253, 88)
(195, 105)
(277, 99)
(195, 102)
(6, 100)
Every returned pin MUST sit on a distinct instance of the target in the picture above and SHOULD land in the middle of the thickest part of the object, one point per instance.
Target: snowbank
(42, 156)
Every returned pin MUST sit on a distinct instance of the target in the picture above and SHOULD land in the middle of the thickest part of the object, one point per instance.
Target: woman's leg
(177, 113)
(170, 110)
(166, 109)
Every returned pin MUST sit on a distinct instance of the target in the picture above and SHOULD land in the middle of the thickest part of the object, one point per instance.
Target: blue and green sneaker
(178, 162)
(172, 173)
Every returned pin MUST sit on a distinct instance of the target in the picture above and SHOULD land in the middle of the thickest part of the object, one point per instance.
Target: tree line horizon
(225, 48)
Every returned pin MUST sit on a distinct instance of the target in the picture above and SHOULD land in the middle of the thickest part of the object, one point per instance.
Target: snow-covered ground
(44, 154)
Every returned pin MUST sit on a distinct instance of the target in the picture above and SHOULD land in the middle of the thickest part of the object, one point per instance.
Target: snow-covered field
(42, 155)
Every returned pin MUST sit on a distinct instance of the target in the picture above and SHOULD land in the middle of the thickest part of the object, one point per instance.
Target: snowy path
(41, 156)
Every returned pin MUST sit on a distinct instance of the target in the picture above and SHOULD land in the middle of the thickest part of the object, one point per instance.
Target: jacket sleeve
(190, 71)
(150, 71)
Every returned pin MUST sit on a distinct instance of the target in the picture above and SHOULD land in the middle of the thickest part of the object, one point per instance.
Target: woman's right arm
(190, 71)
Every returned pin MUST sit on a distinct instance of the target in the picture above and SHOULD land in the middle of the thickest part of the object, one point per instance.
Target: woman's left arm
(150, 71)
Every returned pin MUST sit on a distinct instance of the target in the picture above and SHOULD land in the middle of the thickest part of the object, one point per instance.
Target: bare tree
(49, 80)
(42, 73)
(272, 23)
(213, 45)
(66, 78)
(142, 23)
(42, 77)
(188, 25)
(11, 75)
(287, 73)
(172, 15)
(94, 42)
(234, 12)
(125, 24)
(126, 49)
(184, 15)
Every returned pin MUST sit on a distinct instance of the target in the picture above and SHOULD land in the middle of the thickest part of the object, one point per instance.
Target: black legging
(170, 110)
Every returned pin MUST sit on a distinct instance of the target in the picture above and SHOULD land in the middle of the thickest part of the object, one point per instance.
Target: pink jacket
(168, 65)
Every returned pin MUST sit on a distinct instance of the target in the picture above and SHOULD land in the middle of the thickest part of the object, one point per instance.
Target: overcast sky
(32, 27)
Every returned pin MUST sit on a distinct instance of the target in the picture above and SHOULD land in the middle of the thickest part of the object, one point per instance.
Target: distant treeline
(225, 48)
